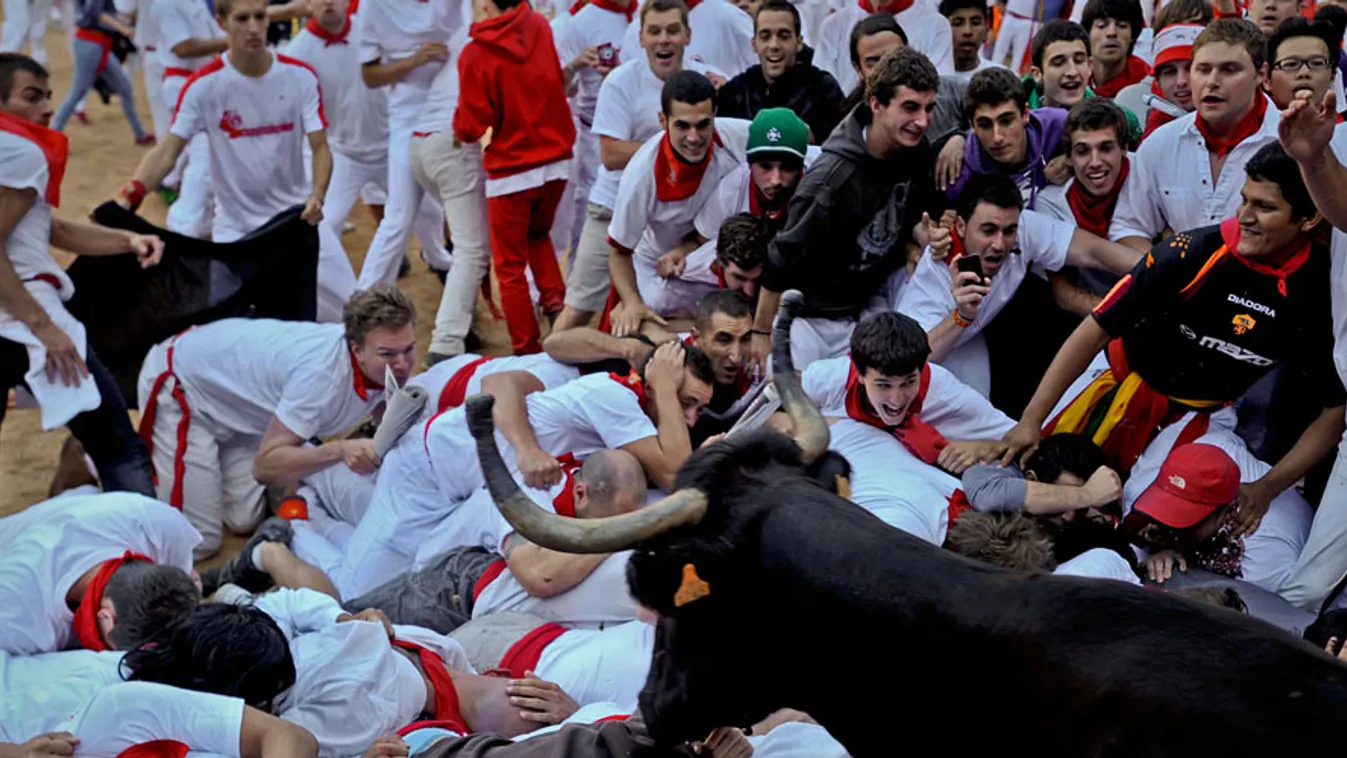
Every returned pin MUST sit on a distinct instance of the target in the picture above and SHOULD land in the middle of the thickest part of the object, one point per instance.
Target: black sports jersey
(1199, 322)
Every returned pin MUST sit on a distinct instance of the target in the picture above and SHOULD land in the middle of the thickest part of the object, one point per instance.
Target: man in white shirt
(664, 187)
(626, 115)
(955, 304)
(42, 346)
(228, 407)
(723, 36)
(968, 28)
(1189, 172)
(927, 31)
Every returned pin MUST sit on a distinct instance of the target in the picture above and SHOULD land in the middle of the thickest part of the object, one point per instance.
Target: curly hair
(1012, 541)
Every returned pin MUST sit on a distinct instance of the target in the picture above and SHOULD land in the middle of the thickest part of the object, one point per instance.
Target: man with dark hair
(785, 76)
(1021, 22)
(968, 23)
(896, 417)
(665, 185)
(1060, 75)
(956, 304)
(741, 253)
(1202, 318)
(925, 29)
(42, 347)
(1303, 57)
(1113, 26)
(855, 211)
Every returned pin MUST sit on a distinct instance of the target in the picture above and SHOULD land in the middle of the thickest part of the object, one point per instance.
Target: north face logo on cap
(1179, 482)
(773, 135)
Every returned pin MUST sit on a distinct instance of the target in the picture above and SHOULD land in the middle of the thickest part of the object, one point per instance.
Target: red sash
(86, 614)
(54, 145)
(895, 7)
(493, 571)
(524, 655)
(156, 749)
(920, 438)
(613, 7)
(1248, 126)
(456, 389)
(329, 39)
(446, 696)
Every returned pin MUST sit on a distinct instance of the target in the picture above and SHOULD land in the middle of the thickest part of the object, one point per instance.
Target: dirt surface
(102, 157)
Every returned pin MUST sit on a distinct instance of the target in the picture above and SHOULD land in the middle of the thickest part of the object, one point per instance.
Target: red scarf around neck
(757, 204)
(1219, 145)
(362, 385)
(86, 614)
(1093, 212)
(896, 7)
(564, 503)
(609, 5)
(456, 389)
(1156, 118)
(633, 382)
(675, 178)
(1230, 235)
(693, 4)
(54, 145)
(920, 438)
(1135, 70)
(329, 39)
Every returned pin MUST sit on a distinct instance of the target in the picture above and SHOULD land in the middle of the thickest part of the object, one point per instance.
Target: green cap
(778, 130)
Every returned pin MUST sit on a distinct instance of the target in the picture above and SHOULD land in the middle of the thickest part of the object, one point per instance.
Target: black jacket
(812, 93)
(849, 220)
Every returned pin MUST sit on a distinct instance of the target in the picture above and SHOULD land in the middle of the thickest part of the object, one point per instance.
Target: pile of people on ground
(1074, 302)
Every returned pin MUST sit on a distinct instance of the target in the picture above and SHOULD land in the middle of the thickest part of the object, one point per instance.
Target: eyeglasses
(1292, 65)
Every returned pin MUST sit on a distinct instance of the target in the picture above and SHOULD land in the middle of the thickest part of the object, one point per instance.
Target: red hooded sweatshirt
(510, 82)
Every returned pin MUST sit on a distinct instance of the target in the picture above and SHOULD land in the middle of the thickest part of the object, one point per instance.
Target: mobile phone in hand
(972, 263)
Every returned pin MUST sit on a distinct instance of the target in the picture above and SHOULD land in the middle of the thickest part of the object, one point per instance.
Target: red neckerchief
(1156, 118)
(1230, 236)
(633, 382)
(757, 204)
(447, 714)
(609, 5)
(329, 39)
(919, 437)
(675, 178)
(55, 147)
(578, 5)
(156, 749)
(1093, 212)
(956, 247)
(352, 7)
(895, 7)
(720, 274)
(958, 505)
(362, 385)
(86, 614)
(1136, 70)
(456, 389)
(693, 4)
(564, 503)
(1246, 128)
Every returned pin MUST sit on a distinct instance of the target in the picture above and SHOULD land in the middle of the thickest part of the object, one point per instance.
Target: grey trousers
(437, 597)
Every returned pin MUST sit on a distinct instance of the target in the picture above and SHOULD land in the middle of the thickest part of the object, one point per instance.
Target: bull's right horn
(570, 535)
(811, 431)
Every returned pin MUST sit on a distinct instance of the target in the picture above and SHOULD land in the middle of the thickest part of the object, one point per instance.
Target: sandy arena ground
(102, 157)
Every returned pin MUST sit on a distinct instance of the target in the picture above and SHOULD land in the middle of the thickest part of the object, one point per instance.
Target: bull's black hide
(271, 273)
(816, 604)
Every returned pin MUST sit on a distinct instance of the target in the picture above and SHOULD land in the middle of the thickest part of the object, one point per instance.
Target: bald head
(610, 482)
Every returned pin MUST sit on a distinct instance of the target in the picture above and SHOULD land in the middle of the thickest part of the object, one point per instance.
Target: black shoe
(441, 273)
(240, 569)
(432, 358)
(473, 343)
(405, 267)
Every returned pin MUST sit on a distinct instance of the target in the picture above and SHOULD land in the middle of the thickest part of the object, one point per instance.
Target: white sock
(257, 556)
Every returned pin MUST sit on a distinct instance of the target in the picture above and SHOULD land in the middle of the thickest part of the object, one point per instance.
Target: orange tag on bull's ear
(843, 487)
(692, 587)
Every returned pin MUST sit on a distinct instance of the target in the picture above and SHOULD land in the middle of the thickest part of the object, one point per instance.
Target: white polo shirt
(441, 99)
(177, 21)
(394, 29)
(927, 31)
(358, 115)
(928, 295)
(628, 109)
(257, 128)
(722, 37)
(1170, 184)
(241, 372)
(592, 26)
(48, 547)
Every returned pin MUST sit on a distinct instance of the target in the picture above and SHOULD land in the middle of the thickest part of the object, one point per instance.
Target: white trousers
(368, 180)
(1012, 40)
(1323, 561)
(404, 200)
(452, 173)
(25, 24)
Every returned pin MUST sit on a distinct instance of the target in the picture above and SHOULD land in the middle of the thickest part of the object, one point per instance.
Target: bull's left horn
(570, 535)
(811, 431)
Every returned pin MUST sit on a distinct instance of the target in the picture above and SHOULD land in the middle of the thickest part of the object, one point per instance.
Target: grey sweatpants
(437, 597)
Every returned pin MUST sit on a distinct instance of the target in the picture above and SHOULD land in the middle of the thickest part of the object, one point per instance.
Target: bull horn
(570, 535)
(811, 431)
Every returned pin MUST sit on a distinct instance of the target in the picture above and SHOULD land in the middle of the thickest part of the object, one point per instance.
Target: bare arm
(1070, 296)
(1090, 251)
(376, 74)
(546, 573)
(159, 162)
(263, 735)
(14, 298)
(622, 269)
(288, 12)
(616, 153)
(322, 163)
(511, 414)
(1319, 439)
(283, 458)
(200, 48)
(1139, 244)
(586, 345)
(89, 239)
(662, 455)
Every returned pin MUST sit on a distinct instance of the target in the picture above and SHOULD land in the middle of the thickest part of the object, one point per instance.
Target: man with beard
(1303, 57)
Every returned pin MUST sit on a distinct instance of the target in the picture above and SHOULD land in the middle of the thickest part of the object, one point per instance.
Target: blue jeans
(87, 56)
(119, 454)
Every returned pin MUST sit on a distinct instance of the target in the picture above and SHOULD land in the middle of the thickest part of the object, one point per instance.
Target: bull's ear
(670, 581)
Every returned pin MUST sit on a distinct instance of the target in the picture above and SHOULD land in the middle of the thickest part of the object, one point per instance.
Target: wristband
(959, 320)
(759, 331)
(134, 192)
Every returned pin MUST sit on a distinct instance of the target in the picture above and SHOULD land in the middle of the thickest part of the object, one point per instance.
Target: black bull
(774, 592)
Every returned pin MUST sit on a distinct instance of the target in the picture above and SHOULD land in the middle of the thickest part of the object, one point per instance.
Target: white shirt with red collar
(242, 372)
(50, 546)
(176, 22)
(927, 31)
(596, 24)
(722, 36)
(358, 114)
(257, 127)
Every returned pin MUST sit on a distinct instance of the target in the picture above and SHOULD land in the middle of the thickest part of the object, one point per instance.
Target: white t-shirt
(178, 21)
(609, 665)
(1170, 183)
(1099, 563)
(38, 692)
(394, 29)
(927, 31)
(132, 713)
(628, 109)
(549, 372)
(965, 76)
(722, 37)
(257, 128)
(24, 167)
(49, 546)
(242, 372)
(592, 26)
(441, 98)
(298, 611)
(928, 295)
(358, 114)
(601, 600)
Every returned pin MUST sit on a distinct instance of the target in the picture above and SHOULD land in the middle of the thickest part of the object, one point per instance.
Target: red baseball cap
(1194, 481)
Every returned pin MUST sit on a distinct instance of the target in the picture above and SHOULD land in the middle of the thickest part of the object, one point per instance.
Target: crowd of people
(1074, 302)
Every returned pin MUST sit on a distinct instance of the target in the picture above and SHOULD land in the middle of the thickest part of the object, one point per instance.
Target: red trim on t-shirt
(456, 389)
(297, 62)
(217, 64)
(492, 572)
